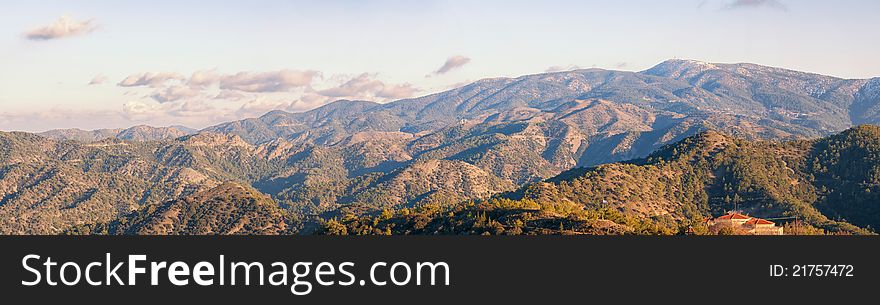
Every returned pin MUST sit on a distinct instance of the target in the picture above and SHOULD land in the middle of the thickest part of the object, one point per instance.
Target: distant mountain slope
(819, 103)
(136, 133)
(48, 186)
(81, 135)
(539, 125)
(147, 133)
(866, 107)
(779, 101)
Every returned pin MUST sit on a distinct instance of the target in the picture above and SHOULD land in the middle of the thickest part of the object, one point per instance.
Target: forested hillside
(228, 209)
(826, 186)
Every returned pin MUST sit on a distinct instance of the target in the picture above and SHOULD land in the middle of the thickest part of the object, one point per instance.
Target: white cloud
(261, 106)
(737, 4)
(561, 68)
(452, 63)
(202, 79)
(98, 80)
(230, 95)
(59, 117)
(153, 80)
(366, 87)
(272, 81)
(210, 97)
(275, 81)
(140, 110)
(308, 100)
(197, 108)
(174, 93)
(360, 85)
(149, 110)
(398, 91)
(65, 26)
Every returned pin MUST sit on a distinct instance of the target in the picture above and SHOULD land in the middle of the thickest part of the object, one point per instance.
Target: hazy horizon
(89, 65)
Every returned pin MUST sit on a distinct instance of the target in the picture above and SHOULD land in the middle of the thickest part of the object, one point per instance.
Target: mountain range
(351, 159)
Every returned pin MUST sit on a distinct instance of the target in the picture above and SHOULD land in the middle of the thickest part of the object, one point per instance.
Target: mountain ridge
(135, 133)
(462, 145)
(337, 119)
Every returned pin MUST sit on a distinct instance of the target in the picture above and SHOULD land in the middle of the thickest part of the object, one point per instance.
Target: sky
(115, 64)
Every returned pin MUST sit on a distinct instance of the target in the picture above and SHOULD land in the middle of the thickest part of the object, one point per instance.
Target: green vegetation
(226, 209)
(497, 217)
(830, 186)
(846, 171)
(672, 191)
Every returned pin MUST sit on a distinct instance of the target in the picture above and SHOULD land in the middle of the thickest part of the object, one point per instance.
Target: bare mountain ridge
(795, 103)
(638, 111)
(136, 133)
(788, 102)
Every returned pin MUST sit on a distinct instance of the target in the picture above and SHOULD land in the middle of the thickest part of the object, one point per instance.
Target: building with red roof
(745, 224)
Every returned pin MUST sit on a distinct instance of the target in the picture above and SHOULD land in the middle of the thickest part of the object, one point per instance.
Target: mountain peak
(704, 143)
(684, 61)
(679, 67)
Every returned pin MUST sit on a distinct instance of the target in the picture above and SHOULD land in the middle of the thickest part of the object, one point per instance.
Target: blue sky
(255, 56)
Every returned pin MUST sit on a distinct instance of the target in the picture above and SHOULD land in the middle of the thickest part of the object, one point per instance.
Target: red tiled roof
(759, 221)
(734, 216)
